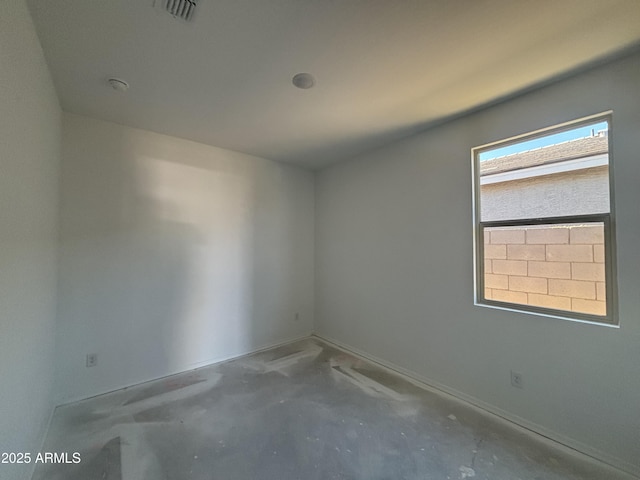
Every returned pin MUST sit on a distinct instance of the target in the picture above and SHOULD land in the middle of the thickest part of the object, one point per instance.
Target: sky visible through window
(581, 132)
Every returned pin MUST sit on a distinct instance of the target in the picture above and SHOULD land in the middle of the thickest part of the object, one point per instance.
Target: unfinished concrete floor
(304, 411)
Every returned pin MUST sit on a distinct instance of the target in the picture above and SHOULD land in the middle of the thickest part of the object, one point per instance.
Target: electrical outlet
(92, 359)
(516, 379)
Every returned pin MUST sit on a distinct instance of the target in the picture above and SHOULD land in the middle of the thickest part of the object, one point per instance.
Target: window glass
(543, 222)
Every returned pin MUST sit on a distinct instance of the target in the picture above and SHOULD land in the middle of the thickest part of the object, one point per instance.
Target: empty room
(319, 239)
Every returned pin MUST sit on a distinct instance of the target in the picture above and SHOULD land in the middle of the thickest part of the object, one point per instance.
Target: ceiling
(383, 68)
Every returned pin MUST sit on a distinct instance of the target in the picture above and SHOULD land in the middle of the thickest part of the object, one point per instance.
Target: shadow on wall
(174, 255)
(196, 279)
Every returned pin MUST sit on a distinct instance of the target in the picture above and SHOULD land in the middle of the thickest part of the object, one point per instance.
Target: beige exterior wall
(560, 266)
(571, 193)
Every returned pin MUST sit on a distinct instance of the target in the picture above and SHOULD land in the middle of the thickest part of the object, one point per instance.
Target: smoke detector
(118, 85)
(180, 9)
(303, 80)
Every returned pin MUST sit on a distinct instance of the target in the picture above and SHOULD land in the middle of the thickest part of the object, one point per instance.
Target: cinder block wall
(557, 267)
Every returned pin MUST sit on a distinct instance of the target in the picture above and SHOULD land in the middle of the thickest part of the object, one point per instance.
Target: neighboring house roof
(579, 148)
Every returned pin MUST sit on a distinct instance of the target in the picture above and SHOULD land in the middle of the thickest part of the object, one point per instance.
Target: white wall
(29, 163)
(174, 255)
(394, 272)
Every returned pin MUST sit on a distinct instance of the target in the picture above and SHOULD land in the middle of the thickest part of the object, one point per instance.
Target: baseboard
(188, 368)
(560, 441)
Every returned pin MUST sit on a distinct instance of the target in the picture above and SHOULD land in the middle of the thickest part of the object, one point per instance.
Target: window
(543, 222)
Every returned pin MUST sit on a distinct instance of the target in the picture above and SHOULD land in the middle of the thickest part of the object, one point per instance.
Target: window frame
(607, 219)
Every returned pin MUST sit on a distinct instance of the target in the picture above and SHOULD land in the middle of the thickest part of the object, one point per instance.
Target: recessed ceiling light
(118, 85)
(304, 80)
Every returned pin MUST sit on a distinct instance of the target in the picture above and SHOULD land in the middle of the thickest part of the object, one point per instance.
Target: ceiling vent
(181, 9)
